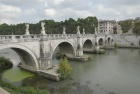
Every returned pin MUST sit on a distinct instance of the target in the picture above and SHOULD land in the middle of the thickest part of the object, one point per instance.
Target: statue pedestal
(43, 32)
(27, 33)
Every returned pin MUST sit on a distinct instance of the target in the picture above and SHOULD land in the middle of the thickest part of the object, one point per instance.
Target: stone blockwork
(127, 40)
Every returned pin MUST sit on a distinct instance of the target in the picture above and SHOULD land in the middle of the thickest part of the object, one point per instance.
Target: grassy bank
(21, 90)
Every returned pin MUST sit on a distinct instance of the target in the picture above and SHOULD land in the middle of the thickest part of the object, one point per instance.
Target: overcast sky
(31, 11)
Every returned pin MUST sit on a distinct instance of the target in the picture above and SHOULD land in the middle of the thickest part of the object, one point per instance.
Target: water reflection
(139, 53)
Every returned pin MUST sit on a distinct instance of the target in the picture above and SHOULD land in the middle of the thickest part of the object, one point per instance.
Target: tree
(126, 25)
(52, 27)
(136, 29)
(64, 68)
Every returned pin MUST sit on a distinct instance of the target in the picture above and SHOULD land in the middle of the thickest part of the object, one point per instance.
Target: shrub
(5, 63)
(89, 57)
(21, 90)
(115, 45)
(64, 68)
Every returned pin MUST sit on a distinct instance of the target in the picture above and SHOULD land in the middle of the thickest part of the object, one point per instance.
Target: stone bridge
(36, 51)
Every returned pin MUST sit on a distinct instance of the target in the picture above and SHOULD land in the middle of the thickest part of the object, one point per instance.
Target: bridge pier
(79, 51)
(45, 63)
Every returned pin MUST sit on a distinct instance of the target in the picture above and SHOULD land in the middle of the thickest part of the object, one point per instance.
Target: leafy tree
(64, 68)
(126, 25)
(136, 29)
(52, 27)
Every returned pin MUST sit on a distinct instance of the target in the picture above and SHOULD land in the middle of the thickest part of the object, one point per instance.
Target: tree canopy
(52, 27)
(126, 25)
(136, 29)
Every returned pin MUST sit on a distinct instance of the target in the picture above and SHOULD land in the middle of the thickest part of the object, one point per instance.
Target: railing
(37, 37)
(17, 38)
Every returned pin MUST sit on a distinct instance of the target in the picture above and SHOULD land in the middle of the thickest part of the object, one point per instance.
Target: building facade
(107, 26)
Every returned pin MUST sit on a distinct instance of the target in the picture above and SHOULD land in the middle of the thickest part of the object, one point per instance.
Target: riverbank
(2, 91)
(20, 90)
(129, 46)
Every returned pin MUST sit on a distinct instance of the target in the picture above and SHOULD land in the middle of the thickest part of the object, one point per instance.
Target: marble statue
(27, 29)
(78, 29)
(43, 28)
(83, 31)
(64, 30)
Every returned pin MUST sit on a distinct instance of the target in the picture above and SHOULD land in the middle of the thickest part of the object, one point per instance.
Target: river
(115, 72)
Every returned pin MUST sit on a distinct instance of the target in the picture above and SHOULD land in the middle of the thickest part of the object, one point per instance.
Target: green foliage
(21, 90)
(5, 64)
(89, 57)
(52, 27)
(64, 68)
(126, 25)
(115, 45)
(136, 29)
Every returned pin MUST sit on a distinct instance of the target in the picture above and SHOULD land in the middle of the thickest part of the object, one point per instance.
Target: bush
(89, 57)
(64, 68)
(21, 90)
(5, 64)
(116, 45)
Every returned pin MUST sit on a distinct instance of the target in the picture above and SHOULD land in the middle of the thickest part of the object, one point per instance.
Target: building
(137, 19)
(107, 26)
(119, 29)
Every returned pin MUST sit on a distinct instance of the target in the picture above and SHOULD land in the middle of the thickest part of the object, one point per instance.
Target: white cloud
(124, 2)
(50, 12)
(83, 13)
(8, 8)
(9, 13)
(57, 1)
(29, 12)
(107, 11)
(22, 2)
(131, 10)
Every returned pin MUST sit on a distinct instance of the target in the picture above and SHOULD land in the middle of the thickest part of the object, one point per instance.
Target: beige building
(119, 29)
(107, 26)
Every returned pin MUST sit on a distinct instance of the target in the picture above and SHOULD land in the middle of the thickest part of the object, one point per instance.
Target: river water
(115, 72)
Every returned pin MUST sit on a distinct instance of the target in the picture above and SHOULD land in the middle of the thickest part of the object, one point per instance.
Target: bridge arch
(87, 45)
(108, 40)
(28, 58)
(101, 41)
(65, 47)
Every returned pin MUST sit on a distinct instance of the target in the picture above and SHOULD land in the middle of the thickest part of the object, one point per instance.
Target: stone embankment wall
(127, 40)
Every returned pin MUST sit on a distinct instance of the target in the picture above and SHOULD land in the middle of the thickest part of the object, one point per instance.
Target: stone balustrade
(33, 37)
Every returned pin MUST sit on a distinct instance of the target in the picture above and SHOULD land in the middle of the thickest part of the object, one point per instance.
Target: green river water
(115, 72)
